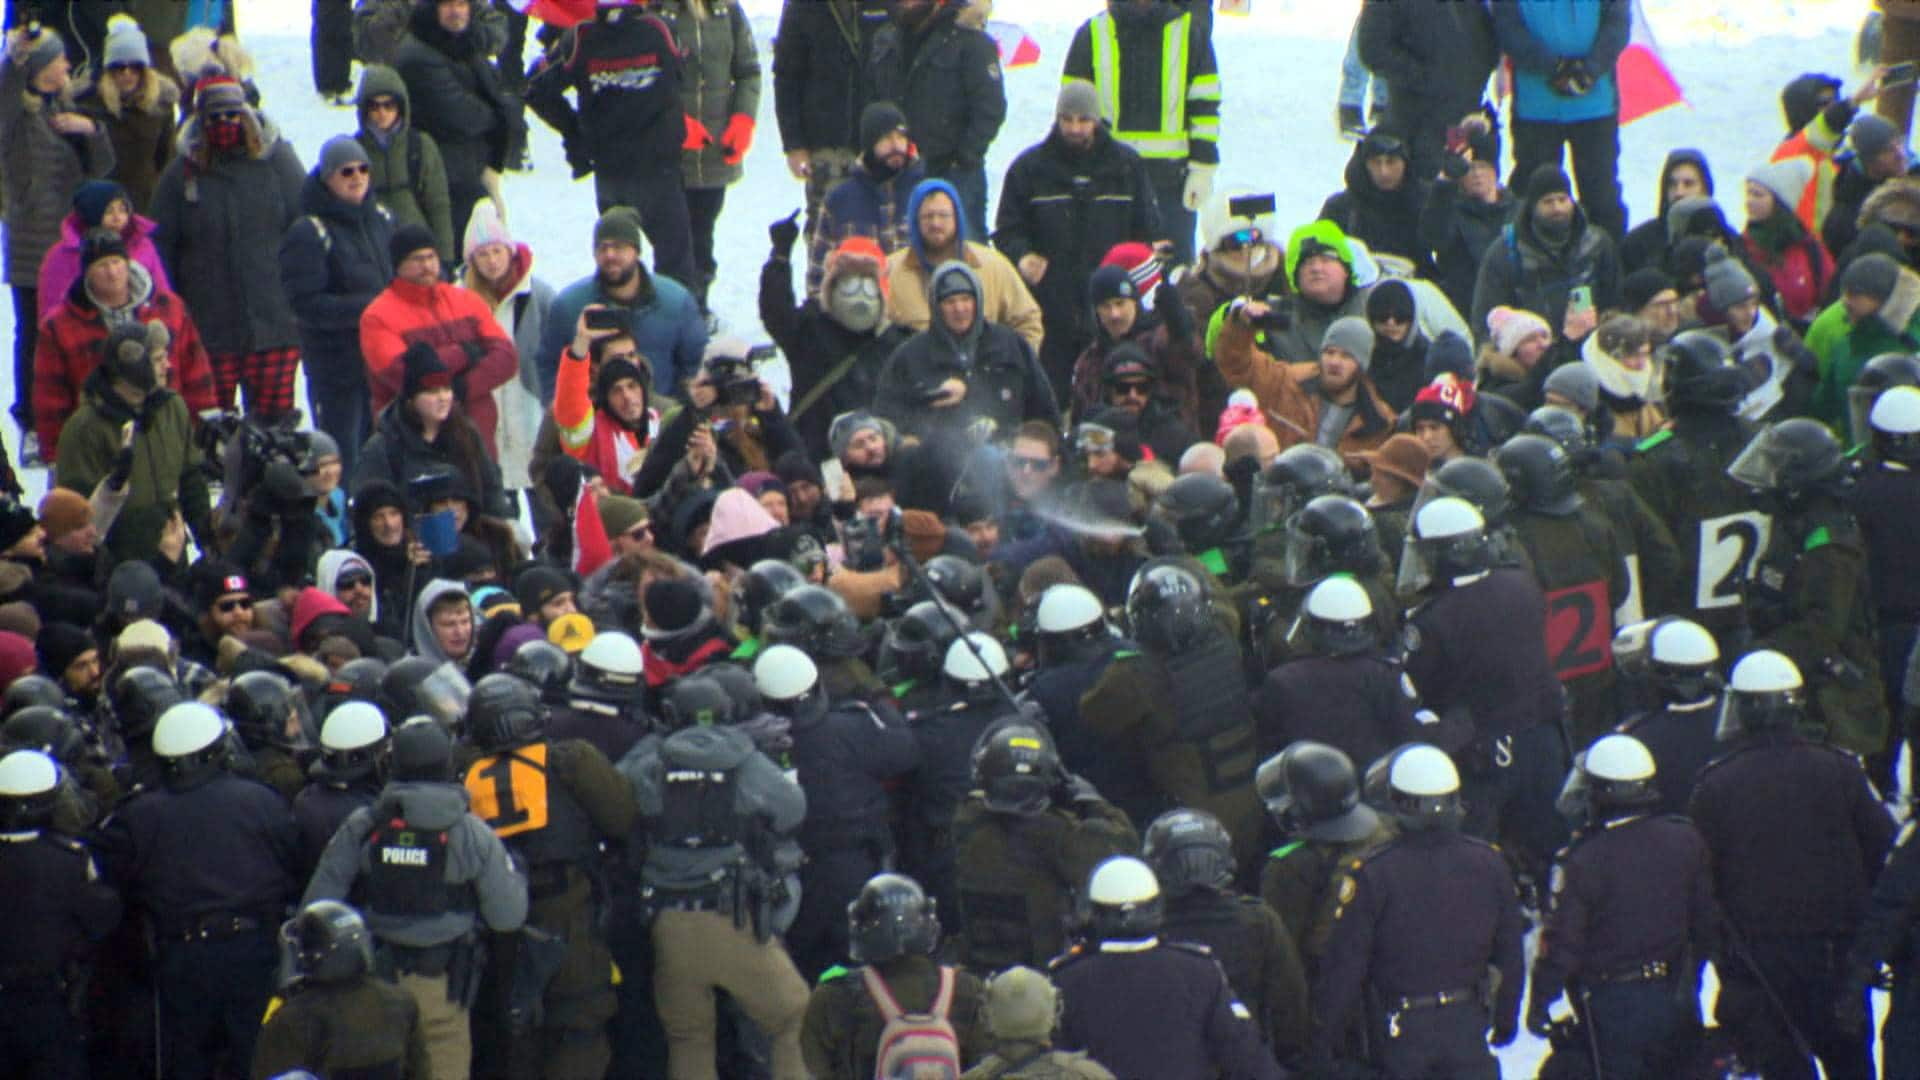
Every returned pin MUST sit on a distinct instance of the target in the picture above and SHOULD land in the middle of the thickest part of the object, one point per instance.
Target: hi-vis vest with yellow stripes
(1169, 140)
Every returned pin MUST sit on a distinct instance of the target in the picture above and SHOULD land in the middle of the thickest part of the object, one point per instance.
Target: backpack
(697, 805)
(406, 866)
(914, 1046)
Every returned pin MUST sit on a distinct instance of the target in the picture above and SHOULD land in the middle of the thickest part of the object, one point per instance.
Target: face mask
(225, 135)
(855, 303)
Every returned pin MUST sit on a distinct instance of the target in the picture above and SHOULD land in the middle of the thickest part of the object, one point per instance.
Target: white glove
(1199, 185)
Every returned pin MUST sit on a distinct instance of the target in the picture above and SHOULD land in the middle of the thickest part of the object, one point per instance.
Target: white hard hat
(1621, 758)
(1683, 643)
(1122, 880)
(1339, 599)
(1765, 671)
(1424, 771)
(783, 673)
(1066, 607)
(1447, 516)
(961, 664)
(352, 725)
(187, 728)
(613, 653)
(26, 773)
(1896, 411)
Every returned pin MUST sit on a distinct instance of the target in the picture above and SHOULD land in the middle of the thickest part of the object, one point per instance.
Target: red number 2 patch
(1579, 630)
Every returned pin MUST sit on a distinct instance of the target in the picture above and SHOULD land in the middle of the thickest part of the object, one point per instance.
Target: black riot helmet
(1300, 474)
(546, 666)
(1202, 509)
(815, 620)
(1697, 374)
(697, 700)
(327, 942)
(1876, 377)
(1168, 608)
(1189, 850)
(916, 643)
(892, 917)
(1539, 474)
(763, 583)
(260, 703)
(416, 686)
(138, 698)
(740, 685)
(1563, 426)
(357, 680)
(504, 712)
(1478, 481)
(32, 689)
(1789, 462)
(1333, 534)
(48, 730)
(1312, 791)
(964, 585)
(1015, 768)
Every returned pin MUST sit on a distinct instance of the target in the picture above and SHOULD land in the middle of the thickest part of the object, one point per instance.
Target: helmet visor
(1758, 466)
(443, 695)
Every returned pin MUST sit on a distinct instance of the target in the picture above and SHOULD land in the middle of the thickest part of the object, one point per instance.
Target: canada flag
(1646, 84)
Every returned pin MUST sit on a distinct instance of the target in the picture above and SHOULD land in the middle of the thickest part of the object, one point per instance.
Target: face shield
(1860, 401)
(1743, 714)
(443, 695)
(1758, 466)
(1415, 573)
(1271, 504)
(1309, 559)
(1573, 802)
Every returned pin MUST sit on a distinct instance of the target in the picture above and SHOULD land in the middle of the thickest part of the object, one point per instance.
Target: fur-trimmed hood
(200, 52)
(1895, 203)
(158, 95)
(1902, 304)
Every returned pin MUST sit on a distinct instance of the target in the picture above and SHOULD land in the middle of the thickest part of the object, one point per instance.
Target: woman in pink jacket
(96, 203)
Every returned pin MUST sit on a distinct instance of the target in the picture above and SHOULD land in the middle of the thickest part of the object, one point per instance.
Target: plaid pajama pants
(266, 377)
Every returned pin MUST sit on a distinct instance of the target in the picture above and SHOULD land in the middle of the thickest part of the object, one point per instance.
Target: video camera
(736, 380)
(237, 449)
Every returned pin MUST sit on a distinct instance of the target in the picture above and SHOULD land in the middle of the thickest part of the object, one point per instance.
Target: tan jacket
(1004, 297)
(1292, 410)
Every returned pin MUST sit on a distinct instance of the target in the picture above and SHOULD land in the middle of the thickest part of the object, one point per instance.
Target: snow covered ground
(1280, 68)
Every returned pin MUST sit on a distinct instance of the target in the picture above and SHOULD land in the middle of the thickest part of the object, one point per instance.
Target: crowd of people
(1149, 639)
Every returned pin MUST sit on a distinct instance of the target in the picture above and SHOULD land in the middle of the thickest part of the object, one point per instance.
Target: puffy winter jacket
(408, 175)
(40, 168)
(719, 79)
(62, 265)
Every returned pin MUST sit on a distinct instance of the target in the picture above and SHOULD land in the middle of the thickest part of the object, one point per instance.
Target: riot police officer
(844, 757)
(1630, 918)
(87, 787)
(1877, 376)
(57, 907)
(1312, 794)
(350, 773)
(1074, 644)
(1886, 501)
(1681, 473)
(138, 697)
(1810, 595)
(1797, 835)
(1476, 647)
(1026, 837)
(914, 647)
(1204, 514)
(1152, 1006)
(1340, 688)
(209, 859)
(265, 710)
(753, 592)
(1192, 856)
(547, 666)
(1580, 560)
(893, 931)
(1020, 1012)
(337, 1017)
(1481, 483)
(554, 802)
(606, 698)
(428, 875)
(964, 585)
(815, 620)
(1679, 662)
(1182, 702)
(719, 818)
(1419, 922)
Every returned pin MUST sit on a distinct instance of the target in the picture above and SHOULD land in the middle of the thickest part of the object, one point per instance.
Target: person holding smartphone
(732, 425)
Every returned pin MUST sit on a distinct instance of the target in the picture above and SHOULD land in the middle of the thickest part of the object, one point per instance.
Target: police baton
(1738, 944)
(897, 542)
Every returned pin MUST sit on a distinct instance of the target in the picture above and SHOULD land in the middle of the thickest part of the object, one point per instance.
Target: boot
(1351, 124)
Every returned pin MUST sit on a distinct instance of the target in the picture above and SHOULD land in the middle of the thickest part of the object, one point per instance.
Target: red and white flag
(1646, 84)
(591, 548)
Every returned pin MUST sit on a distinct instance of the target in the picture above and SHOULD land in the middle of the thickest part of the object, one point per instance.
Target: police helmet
(1338, 617)
(46, 729)
(763, 583)
(1423, 788)
(1479, 482)
(964, 585)
(815, 620)
(1020, 1005)
(422, 750)
(789, 684)
(416, 686)
(1066, 616)
(1563, 426)
(697, 700)
(356, 680)
(1539, 475)
(892, 917)
(1332, 534)
(32, 689)
(1168, 607)
(740, 686)
(1698, 373)
(1619, 772)
(189, 736)
(1895, 420)
(1123, 900)
(975, 660)
(1788, 461)
(139, 697)
(610, 666)
(1765, 694)
(259, 704)
(1876, 377)
(1300, 474)
(327, 942)
(548, 667)
(29, 786)
(504, 712)
(917, 641)
(353, 739)
(1311, 790)
(1203, 510)
(1449, 541)
(1015, 768)
(1188, 850)
(1677, 656)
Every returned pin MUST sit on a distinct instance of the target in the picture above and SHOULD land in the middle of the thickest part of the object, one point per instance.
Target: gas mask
(855, 303)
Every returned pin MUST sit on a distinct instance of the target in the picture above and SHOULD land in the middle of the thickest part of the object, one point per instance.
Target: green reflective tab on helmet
(901, 690)
(1285, 850)
(1214, 561)
(832, 973)
(1819, 538)
(746, 650)
(1125, 654)
(1653, 440)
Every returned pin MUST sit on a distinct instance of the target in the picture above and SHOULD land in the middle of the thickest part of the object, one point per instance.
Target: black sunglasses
(354, 581)
(242, 603)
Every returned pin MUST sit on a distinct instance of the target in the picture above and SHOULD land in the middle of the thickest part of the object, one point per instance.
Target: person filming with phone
(732, 425)
(1548, 254)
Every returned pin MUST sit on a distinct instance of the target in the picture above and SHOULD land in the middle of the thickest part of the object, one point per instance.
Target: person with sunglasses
(409, 174)
(1132, 386)
(222, 607)
(136, 104)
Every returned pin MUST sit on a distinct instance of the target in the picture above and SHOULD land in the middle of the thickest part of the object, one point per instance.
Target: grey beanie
(43, 50)
(1575, 382)
(1077, 98)
(339, 152)
(1351, 335)
(1873, 274)
(1787, 180)
(1869, 134)
(126, 43)
(1728, 282)
(952, 278)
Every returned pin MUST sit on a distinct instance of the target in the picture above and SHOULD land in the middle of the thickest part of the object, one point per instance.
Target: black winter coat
(625, 74)
(946, 78)
(814, 344)
(1457, 232)
(397, 452)
(820, 76)
(1072, 208)
(333, 262)
(1004, 384)
(457, 98)
(1386, 221)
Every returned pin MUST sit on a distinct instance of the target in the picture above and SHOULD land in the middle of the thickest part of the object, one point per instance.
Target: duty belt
(704, 898)
(428, 962)
(217, 927)
(1652, 971)
(1398, 1007)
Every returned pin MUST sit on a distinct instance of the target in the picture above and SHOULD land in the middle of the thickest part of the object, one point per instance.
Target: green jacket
(411, 199)
(719, 79)
(1843, 350)
(166, 470)
(840, 1034)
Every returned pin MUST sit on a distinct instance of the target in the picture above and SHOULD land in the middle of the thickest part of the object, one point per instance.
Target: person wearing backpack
(409, 176)
(719, 880)
(427, 874)
(899, 1003)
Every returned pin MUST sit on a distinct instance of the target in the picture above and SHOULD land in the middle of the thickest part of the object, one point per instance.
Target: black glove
(460, 386)
(1504, 1034)
(1453, 166)
(784, 233)
(1539, 1020)
(122, 468)
(579, 162)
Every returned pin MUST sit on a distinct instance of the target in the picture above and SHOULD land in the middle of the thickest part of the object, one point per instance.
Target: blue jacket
(668, 328)
(1537, 34)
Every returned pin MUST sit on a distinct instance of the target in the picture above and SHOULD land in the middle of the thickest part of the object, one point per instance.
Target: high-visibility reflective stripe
(1153, 144)
(1170, 140)
(1173, 74)
(1106, 67)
